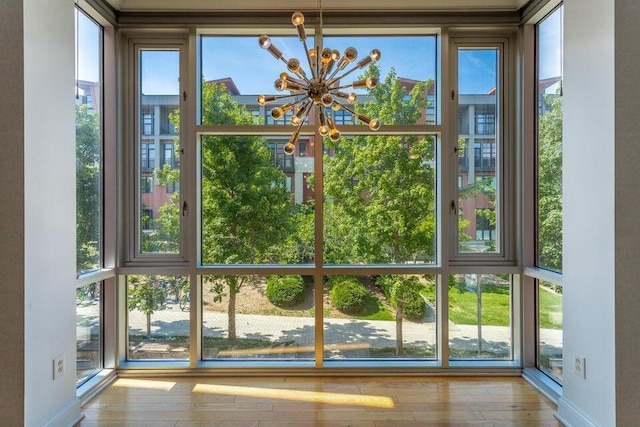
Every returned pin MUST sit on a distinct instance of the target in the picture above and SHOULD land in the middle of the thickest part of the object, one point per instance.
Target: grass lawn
(550, 309)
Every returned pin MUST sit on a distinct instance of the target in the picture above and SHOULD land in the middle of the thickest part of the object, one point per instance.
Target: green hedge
(348, 294)
(285, 291)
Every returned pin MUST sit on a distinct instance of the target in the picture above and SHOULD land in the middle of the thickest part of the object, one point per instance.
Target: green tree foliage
(246, 209)
(550, 186)
(87, 189)
(380, 188)
(145, 296)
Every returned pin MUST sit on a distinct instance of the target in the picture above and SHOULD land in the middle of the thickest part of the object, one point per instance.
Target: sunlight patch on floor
(297, 395)
(144, 384)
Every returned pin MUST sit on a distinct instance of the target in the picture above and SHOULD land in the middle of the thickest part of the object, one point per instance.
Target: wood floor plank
(319, 402)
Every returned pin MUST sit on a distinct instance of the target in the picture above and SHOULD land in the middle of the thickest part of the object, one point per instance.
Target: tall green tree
(550, 185)
(87, 189)
(246, 208)
(146, 296)
(381, 188)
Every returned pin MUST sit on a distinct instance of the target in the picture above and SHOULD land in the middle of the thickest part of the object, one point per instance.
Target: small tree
(146, 297)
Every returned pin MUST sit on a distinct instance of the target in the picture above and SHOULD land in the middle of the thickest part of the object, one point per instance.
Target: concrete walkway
(343, 337)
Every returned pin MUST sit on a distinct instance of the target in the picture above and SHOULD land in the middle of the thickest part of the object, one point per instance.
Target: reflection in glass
(480, 316)
(258, 317)
(159, 118)
(88, 331)
(550, 329)
(549, 174)
(249, 214)
(478, 152)
(158, 317)
(380, 317)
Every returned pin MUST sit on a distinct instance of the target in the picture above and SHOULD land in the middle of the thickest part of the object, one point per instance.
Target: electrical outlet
(579, 366)
(58, 367)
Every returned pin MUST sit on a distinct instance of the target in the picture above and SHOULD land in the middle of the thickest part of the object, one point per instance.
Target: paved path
(355, 335)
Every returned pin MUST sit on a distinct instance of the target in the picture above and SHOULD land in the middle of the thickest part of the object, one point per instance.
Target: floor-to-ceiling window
(549, 192)
(89, 214)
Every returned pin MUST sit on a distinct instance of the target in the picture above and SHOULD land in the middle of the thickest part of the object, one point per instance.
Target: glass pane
(374, 317)
(478, 150)
(88, 330)
(407, 64)
(550, 329)
(480, 316)
(88, 144)
(549, 206)
(158, 317)
(256, 204)
(158, 151)
(380, 200)
(258, 317)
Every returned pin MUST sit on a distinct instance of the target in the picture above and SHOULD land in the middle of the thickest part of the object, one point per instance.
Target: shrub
(348, 295)
(285, 291)
(414, 307)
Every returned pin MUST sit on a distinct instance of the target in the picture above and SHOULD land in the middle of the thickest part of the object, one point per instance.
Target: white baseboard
(68, 416)
(569, 415)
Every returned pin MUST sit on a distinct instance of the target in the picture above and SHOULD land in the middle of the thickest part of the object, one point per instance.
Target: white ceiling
(242, 5)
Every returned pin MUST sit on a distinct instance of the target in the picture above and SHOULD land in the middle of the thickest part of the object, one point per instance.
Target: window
(89, 193)
(146, 186)
(147, 156)
(548, 197)
(158, 85)
(147, 124)
(479, 93)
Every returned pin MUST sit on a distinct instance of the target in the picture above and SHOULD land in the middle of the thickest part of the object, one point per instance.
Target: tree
(146, 297)
(246, 208)
(381, 189)
(87, 189)
(550, 185)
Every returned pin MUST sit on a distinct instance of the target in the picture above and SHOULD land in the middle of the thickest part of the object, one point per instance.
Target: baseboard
(68, 416)
(569, 415)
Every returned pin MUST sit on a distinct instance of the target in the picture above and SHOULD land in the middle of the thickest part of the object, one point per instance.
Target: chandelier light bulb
(289, 148)
(374, 124)
(276, 113)
(280, 85)
(371, 82)
(264, 41)
(334, 134)
(326, 99)
(293, 65)
(297, 18)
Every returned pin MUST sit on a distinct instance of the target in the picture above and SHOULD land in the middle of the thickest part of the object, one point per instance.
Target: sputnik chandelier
(322, 88)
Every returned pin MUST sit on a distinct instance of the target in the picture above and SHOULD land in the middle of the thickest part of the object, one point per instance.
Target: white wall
(49, 220)
(588, 188)
(601, 212)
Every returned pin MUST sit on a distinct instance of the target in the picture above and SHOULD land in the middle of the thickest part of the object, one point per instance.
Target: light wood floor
(328, 401)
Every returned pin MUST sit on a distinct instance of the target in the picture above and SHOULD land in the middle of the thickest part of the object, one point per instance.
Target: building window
(146, 185)
(147, 124)
(485, 122)
(485, 224)
(147, 156)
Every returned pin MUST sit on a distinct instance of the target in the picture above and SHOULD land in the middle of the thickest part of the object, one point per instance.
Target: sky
(254, 69)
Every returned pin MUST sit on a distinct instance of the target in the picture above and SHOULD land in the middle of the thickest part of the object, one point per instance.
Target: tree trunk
(232, 314)
(399, 350)
(148, 326)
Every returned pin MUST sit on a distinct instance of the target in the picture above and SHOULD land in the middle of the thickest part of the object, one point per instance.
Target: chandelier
(321, 88)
